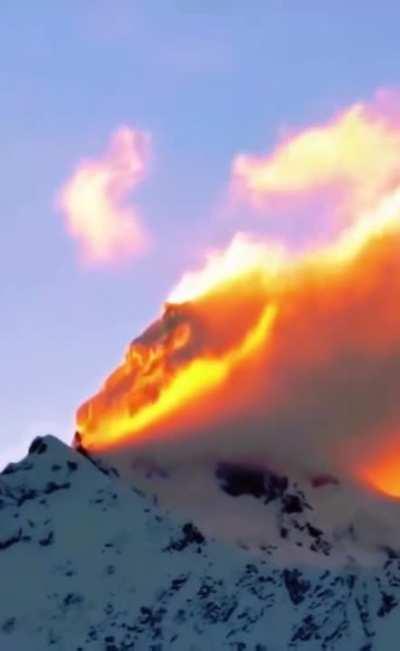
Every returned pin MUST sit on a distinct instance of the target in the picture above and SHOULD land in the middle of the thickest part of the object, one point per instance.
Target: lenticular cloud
(97, 214)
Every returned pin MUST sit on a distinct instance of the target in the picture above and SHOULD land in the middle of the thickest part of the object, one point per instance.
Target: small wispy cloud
(94, 200)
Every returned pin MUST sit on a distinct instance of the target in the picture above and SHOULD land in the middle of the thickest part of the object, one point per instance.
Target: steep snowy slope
(88, 564)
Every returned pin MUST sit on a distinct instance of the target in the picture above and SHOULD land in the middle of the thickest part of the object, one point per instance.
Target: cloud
(330, 319)
(316, 395)
(340, 168)
(106, 227)
(315, 392)
(286, 361)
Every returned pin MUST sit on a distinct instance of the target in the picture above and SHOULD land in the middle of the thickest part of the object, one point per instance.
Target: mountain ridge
(89, 563)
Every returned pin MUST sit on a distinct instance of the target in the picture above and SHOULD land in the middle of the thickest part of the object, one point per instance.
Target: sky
(205, 81)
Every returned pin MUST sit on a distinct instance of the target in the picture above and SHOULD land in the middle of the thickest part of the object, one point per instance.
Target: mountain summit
(89, 563)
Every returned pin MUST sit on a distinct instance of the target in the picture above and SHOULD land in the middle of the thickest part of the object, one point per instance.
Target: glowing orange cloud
(291, 360)
(197, 378)
(382, 469)
(93, 200)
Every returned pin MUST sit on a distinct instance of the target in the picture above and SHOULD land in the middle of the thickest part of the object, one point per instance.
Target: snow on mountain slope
(89, 564)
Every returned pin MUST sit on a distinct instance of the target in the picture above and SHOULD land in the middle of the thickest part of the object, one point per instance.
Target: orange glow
(383, 470)
(304, 349)
(198, 377)
(93, 200)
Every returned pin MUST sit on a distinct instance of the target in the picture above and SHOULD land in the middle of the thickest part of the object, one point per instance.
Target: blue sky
(208, 80)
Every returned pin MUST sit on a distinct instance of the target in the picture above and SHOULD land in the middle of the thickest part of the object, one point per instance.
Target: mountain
(89, 563)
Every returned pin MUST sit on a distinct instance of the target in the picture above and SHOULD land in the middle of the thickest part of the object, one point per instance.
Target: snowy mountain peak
(88, 563)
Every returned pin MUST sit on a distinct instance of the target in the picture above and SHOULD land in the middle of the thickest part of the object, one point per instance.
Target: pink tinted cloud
(348, 161)
(94, 200)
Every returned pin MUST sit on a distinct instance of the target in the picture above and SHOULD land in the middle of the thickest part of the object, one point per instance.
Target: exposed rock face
(90, 564)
